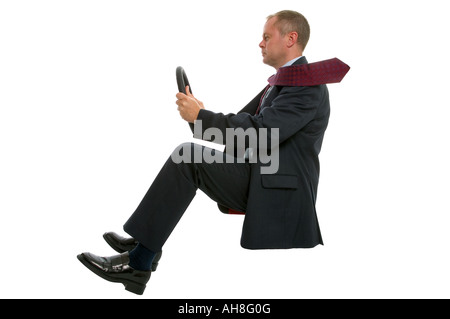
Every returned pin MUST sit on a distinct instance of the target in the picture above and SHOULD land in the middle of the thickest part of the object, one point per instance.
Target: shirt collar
(292, 61)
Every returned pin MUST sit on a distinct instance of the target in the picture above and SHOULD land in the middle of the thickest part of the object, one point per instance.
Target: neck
(289, 59)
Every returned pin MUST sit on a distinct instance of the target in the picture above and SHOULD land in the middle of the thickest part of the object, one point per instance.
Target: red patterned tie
(310, 74)
(323, 72)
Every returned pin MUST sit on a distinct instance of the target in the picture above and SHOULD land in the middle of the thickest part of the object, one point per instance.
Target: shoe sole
(130, 286)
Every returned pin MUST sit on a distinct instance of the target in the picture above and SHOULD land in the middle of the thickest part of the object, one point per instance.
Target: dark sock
(141, 258)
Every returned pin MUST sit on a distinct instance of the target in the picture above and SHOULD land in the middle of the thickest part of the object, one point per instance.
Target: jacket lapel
(253, 105)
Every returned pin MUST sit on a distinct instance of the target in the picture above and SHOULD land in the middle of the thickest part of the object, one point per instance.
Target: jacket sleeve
(250, 108)
(290, 111)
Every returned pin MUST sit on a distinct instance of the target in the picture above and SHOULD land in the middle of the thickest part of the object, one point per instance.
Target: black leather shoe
(117, 269)
(121, 245)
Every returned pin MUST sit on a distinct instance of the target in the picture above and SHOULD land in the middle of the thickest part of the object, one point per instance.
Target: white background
(87, 118)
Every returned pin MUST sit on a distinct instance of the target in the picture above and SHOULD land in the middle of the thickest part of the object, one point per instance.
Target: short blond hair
(292, 21)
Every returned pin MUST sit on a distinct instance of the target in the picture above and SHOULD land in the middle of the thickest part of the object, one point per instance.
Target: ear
(292, 39)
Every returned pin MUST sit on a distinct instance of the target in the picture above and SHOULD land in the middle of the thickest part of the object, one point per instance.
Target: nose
(262, 44)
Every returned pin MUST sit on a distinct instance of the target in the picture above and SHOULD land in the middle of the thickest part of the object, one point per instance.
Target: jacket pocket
(279, 181)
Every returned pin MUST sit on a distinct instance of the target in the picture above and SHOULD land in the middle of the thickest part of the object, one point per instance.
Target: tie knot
(271, 79)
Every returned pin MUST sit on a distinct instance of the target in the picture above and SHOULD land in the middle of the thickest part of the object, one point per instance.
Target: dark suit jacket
(281, 209)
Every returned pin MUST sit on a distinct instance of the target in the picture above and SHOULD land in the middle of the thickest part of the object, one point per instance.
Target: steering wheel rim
(182, 80)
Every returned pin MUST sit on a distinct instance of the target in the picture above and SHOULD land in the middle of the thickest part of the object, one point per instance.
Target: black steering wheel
(182, 80)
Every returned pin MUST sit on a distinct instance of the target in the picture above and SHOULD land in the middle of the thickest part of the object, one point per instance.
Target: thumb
(188, 91)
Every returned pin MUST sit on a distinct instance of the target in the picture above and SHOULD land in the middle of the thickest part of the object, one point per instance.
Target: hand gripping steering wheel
(182, 80)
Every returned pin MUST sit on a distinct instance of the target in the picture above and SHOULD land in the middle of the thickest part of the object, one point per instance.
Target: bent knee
(185, 153)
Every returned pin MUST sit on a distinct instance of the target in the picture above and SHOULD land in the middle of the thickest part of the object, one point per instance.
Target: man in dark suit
(279, 206)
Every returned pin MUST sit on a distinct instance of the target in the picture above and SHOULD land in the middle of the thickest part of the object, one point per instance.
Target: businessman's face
(273, 45)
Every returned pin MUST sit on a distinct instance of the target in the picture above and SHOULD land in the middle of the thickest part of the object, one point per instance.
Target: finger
(181, 96)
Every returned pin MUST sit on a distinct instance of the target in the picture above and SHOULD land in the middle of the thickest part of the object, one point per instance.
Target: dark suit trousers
(176, 185)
